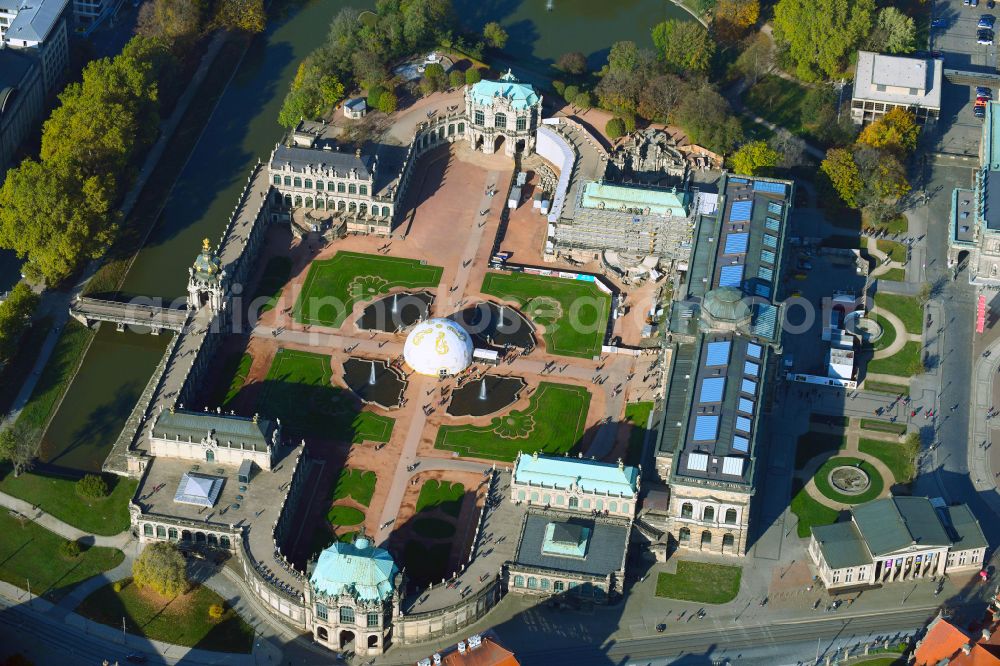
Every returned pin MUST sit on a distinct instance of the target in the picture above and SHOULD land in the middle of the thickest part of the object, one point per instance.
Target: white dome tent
(437, 348)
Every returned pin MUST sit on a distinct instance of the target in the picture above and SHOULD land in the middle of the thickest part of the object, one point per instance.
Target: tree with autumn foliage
(245, 15)
(754, 158)
(897, 131)
(313, 91)
(733, 18)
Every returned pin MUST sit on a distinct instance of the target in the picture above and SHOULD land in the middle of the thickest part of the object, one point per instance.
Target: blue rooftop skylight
(730, 276)
(737, 243)
(712, 388)
(741, 211)
(706, 428)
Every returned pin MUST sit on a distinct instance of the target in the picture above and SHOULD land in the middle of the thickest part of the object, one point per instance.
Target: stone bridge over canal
(92, 310)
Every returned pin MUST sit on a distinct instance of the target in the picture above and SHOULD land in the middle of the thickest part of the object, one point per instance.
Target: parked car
(981, 101)
(983, 91)
(987, 21)
(990, 4)
(979, 112)
(939, 23)
(973, 3)
(966, 3)
(937, 55)
(985, 37)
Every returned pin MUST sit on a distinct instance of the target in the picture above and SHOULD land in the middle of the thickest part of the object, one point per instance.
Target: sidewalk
(853, 434)
(53, 524)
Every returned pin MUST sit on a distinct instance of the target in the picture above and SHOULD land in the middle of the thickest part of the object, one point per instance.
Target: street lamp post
(124, 635)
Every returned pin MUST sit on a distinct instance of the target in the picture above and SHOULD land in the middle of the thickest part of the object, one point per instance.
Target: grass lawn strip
(345, 515)
(56, 377)
(904, 363)
(812, 444)
(57, 496)
(297, 390)
(21, 365)
(888, 334)
(895, 250)
(885, 387)
(701, 582)
(433, 528)
(907, 308)
(553, 423)
(272, 281)
(237, 367)
(334, 285)
(636, 413)
(573, 312)
(894, 275)
(884, 426)
(898, 457)
(182, 620)
(825, 487)
(777, 100)
(29, 552)
(356, 483)
(437, 495)
(809, 511)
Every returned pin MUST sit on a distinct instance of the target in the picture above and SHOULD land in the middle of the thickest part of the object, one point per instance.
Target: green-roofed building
(632, 199)
(212, 437)
(504, 112)
(897, 539)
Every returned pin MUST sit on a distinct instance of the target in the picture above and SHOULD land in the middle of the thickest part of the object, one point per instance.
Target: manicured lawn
(778, 100)
(884, 426)
(636, 413)
(907, 308)
(29, 554)
(433, 528)
(57, 495)
(824, 486)
(182, 620)
(701, 582)
(899, 458)
(297, 390)
(553, 423)
(895, 250)
(237, 367)
(437, 495)
(904, 363)
(19, 367)
(334, 285)
(356, 483)
(894, 275)
(574, 313)
(57, 375)
(809, 511)
(272, 281)
(888, 334)
(812, 444)
(345, 515)
(885, 387)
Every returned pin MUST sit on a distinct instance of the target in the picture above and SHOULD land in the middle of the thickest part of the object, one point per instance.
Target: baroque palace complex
(571, 523)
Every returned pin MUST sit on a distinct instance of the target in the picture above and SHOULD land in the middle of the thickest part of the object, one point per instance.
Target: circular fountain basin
(387, 389)
(849, 480)
(485, 396)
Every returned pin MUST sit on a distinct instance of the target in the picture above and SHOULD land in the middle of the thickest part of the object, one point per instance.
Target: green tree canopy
(754, 157)
(840, 168)
(822, 34)
(684, 46)
(705, 117)
(313, 91)
(472, 76)
(15, 316)
(615, 128)
(173, 20)
(18, 446)
(894, 32)
(495, 35)
(161, 567)
(387, 102)
(245, 15)
(574, 63)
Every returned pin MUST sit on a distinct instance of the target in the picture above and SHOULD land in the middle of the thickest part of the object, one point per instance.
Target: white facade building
(884, 82)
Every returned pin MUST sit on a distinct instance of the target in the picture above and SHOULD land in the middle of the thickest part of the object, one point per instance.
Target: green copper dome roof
(726, 304)
(358, 568)
(207, 265)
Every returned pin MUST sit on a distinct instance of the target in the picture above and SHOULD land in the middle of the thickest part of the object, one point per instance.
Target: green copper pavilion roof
(520, 95)
(358, 568)
(587, 475)
(616, 197)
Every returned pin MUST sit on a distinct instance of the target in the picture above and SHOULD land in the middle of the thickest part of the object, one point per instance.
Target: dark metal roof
(894, 523)
(233, 431)
(605, 550)
(842, 545)
(991, 200)
(675, 410)
(14, 67)
(342, 162)
(963, 527)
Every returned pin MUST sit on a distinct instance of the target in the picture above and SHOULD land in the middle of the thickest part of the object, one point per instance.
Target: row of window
(346, 615)
(684, 536)
(331, 186)
(532, 583)
(574, 503)
(708, 513)
(172, 534)
(849, 575)
(500, 121)
(341, 206)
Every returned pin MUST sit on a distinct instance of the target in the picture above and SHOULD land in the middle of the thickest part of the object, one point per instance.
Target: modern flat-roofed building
(725, 332)
(884, 82)
(897, 539)
(91, 12)
(22, 96)
(40, 25)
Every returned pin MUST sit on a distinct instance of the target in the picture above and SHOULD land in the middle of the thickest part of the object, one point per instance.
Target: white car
(985, 37)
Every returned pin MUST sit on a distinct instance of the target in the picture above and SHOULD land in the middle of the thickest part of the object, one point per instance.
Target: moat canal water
(243, 129)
